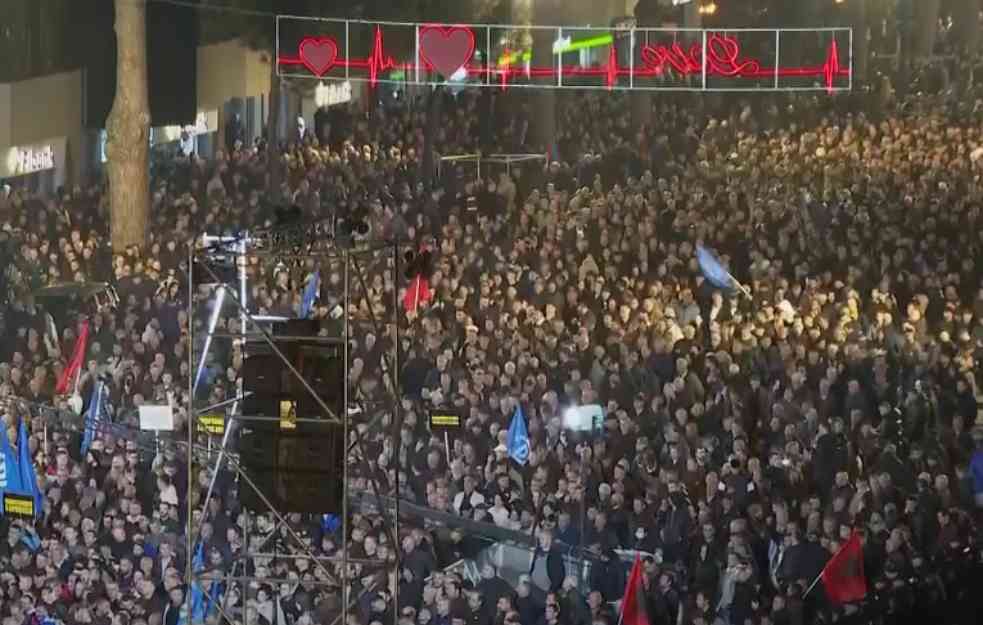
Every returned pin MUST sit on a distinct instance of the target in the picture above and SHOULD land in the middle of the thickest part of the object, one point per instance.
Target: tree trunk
(967, 24)
(128, 130)
(924, 28)
(274, 171)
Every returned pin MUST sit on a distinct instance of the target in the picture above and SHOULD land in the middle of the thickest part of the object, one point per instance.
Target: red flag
(417, 294)
(75, 364)
(633, 603)
(843, 576)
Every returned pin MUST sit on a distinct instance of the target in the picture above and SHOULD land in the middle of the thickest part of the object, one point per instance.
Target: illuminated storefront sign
(332, 93)
(31, 159)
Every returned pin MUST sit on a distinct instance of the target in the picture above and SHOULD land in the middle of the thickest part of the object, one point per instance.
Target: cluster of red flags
(842, 577)
(77, 361)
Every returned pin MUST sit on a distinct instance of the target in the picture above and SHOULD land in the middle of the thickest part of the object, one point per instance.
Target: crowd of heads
(748, 432)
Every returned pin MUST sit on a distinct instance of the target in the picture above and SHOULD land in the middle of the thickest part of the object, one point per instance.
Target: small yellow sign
(18, 505)
(213, 424)
(444, 420)
(288, 414)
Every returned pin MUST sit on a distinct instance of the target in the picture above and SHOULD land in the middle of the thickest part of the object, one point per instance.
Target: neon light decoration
(450, 49)
(445, 48)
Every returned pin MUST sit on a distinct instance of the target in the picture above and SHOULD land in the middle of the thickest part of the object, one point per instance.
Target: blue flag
(518, 440)
(92, 416)
(11, 479)
(712, 270)
(26, 465)
(330, 523)
(31, 540)
(199, 606)
(976, 472)
(311, 291)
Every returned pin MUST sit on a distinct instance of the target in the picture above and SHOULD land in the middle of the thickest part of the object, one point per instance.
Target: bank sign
(23, 160)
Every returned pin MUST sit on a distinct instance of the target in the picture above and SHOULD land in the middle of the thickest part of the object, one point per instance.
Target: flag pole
(78, 377)
(812, 585)
(740, 286)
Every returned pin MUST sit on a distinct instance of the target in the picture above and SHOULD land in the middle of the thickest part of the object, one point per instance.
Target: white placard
(583, 418)
(158, 418)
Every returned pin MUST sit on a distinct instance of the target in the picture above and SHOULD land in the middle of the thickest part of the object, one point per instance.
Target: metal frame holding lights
(483, 55)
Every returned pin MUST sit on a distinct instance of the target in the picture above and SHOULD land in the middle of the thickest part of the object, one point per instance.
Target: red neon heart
(446, 48)
(318, 54)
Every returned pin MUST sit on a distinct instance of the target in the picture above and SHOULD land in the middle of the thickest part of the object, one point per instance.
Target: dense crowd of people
(747, 433)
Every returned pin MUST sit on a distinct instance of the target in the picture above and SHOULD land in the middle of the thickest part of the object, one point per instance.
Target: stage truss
(621, 57)
(300, 249)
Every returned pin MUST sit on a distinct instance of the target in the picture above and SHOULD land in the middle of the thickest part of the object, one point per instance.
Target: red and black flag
(633, 610)
(843, 576)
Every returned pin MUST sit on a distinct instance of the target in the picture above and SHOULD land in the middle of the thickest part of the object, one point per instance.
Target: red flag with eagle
(418, 294)
(77, 361)
(633, 610)
(843, 576)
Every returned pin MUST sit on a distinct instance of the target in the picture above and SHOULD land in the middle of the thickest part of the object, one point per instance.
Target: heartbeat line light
(449, 51)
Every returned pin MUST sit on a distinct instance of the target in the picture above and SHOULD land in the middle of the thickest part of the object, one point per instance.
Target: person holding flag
(843, 576)
(74, 368)
(205, 596)
(93, 416)
(633, 610)
(311, 293)
(715, 273)
(517, 443)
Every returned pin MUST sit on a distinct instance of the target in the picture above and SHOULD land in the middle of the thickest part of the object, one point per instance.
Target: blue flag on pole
(26, 465)
(712, 270)
(92, 417)
(311, 292)
(203, 604)
(518, 440)
(199, 604)
(11, 479)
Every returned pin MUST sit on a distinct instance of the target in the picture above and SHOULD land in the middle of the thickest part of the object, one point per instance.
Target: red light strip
(723, 60)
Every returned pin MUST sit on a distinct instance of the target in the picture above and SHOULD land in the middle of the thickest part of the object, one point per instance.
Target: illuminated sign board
(444, 420)
(29, 160)
(333, 93)
(623, 56)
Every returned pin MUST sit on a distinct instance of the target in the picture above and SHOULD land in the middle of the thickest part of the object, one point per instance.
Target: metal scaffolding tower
(299, 248)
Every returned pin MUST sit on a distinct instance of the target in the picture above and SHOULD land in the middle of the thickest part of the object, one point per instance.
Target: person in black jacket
(556, 569)
(607, 574)
(529, 606)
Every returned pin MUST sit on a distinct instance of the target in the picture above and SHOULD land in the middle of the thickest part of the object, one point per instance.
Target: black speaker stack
(289, 447)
